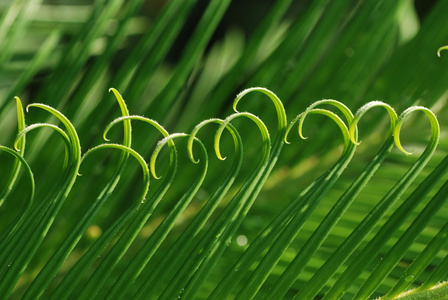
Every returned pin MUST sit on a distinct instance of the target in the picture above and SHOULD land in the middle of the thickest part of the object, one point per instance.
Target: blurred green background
(180, 62)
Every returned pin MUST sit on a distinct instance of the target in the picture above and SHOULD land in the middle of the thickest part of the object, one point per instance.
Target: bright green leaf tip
(435, 127)
(217, 140)
(71, 131)
(124, 112)
(261, 126)
(281, 112)
(20, 146)
(441, 49)
(19, 109)
(155, 124)
(193, 135)
(291, 124)
(159, 127)
(313, 110)
(353, 127)
(167, 140)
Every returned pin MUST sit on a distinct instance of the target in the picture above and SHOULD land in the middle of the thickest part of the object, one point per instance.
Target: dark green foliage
(230, 210)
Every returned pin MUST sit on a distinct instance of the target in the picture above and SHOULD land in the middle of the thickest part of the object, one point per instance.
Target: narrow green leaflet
(312, 244)
(292, 217)
(29, 243)
(105, 269)
(185, 243)
(64, 250)
(351, 243)
(392, 257)
(8, 233)
(246, 196)
(69, 282)
(256, 219)
(20, 147)
(146, 252)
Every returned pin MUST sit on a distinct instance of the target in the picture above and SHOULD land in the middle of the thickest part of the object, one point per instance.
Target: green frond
(240, 208)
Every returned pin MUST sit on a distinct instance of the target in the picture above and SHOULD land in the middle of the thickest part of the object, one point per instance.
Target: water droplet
(241, 240)
(409, 278)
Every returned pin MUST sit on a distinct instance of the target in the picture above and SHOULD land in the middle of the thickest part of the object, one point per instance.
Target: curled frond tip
(441, 49)
(435, 128)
